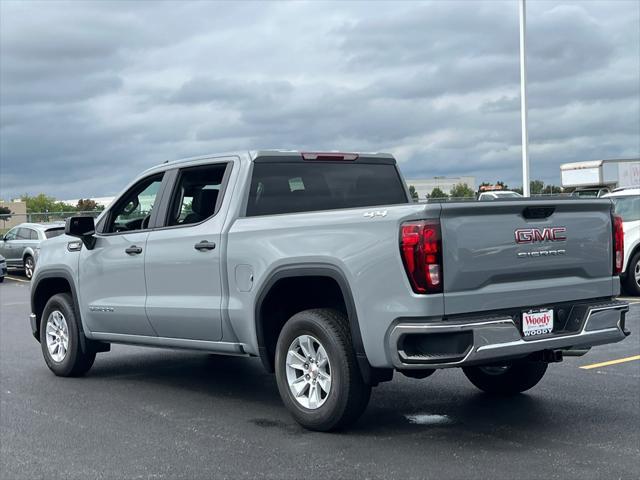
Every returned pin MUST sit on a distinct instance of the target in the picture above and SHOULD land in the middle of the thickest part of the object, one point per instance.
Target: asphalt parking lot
(147, 413)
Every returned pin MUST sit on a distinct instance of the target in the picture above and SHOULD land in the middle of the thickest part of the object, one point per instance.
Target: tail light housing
(618, 245)
(421, 250)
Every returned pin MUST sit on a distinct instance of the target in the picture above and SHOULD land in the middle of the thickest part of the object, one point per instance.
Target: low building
(424, 186)
(17, 216)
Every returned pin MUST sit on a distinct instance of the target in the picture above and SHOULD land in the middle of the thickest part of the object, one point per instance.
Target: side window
(197, 194)
(23, 234)
(33, 235)
(628, 208)
(132, 211)
(11, 234)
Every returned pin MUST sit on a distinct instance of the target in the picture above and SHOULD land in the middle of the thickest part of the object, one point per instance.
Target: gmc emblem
(547, 234)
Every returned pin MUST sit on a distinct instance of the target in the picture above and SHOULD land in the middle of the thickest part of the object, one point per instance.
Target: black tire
(507, 379)
(1, 279)
(630, 283)
(76, 362)
(29, 265)
(348, 395)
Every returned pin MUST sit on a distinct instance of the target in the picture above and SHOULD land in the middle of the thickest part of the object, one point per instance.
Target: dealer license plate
(539, 322)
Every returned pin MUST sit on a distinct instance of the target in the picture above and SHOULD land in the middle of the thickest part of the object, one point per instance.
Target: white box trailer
(601, 173)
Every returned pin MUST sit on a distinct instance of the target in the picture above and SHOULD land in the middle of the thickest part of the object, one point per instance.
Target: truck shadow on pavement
(239, 378)
(402, 407)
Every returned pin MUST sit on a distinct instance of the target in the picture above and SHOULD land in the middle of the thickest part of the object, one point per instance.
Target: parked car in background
(3, 268)
(498, 194)
(595, 192)
(627, 206)
(21, 244)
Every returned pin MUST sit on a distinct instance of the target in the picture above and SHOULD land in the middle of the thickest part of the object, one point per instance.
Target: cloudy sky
(91, 93)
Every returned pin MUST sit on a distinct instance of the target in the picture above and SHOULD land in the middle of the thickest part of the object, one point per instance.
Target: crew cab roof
(252, 155)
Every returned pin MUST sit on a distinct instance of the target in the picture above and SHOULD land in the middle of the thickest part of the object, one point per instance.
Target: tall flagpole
(523, 102)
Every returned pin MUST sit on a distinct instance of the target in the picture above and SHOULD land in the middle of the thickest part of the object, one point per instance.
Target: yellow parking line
(16, 279)
(611, 362)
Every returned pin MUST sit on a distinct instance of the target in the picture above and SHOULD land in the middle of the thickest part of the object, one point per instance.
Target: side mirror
(83, 228)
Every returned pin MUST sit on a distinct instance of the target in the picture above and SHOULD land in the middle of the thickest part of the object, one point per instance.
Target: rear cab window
(305, 186)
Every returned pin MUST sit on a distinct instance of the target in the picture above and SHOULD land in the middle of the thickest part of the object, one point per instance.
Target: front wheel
(317, 372)
(508, 378)
(60, 339)
(29, 266)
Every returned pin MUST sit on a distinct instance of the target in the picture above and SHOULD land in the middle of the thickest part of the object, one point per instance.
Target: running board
(227, 348)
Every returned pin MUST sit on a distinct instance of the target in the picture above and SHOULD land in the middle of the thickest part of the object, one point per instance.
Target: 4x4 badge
(375, 213)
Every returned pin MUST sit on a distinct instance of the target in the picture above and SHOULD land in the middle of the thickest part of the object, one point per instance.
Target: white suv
(627, 202)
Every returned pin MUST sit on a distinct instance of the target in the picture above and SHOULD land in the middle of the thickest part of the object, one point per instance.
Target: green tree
(437, 193)
(414, 194)
(88, 205)
(43, 203)
(536, 187)
(461, 190)
(5, 214)
(551, 190)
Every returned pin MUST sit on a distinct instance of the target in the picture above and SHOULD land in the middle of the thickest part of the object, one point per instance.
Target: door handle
(204, 245)
(133, 250)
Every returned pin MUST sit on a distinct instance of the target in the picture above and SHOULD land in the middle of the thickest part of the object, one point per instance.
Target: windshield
(628, 208)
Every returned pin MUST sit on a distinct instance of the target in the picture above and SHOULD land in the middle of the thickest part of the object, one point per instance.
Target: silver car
(20, 245)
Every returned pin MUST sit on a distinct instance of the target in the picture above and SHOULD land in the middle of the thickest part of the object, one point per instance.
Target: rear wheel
(508, 378)
(317, 371)
(29, 266)
(60, 339)
(632, 279)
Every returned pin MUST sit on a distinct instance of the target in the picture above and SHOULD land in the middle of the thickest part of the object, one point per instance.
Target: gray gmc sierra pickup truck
(320, 264)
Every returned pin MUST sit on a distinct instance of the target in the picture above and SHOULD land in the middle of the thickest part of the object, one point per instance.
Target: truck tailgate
(507, 254)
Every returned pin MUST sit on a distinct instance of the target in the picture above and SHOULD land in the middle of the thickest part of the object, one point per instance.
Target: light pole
(523, 102)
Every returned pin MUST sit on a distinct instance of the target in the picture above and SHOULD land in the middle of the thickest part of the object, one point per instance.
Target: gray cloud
(93, 92)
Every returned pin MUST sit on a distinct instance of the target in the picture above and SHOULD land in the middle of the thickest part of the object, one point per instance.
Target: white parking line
(16, 279)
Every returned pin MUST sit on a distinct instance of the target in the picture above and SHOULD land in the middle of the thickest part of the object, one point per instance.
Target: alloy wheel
(57, 334)
(308, 372)
(29, 266)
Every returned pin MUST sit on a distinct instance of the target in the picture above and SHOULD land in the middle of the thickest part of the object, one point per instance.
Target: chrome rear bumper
(488, 340)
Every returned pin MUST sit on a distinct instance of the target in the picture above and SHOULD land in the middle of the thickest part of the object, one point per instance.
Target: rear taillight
(421, 249)
(618, 245)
